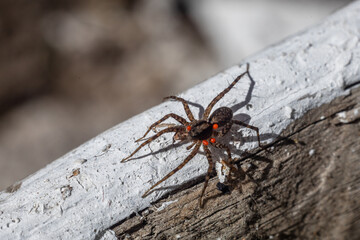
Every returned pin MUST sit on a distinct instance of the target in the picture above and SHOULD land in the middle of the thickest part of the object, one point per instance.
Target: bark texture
(307, 187)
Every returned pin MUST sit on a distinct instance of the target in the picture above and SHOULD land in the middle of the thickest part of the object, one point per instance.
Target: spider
(203, 132)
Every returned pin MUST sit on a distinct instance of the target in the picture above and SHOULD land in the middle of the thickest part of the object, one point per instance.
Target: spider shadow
(248, 96)
(234, 108)
(167, 148)
(201, 108)
(245, 118)
(173, 189)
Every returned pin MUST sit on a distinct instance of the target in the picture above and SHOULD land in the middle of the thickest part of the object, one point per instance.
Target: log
(87, 191)
(306, 188)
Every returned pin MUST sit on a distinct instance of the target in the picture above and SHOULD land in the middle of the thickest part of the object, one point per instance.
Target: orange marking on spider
(188, 128)
(205, 142)
(213, 140)
(215, 126)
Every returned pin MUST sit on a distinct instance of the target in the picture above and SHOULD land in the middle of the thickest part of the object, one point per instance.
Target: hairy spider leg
(170, 129)
(226, 90)
(207, 177)
(185, 104)
(223, 146)
(190, 146)
(163, 125)
(187, 159)
(173, 115)
(251, 127)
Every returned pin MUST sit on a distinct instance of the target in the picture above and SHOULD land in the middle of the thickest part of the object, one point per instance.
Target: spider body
(202, 132)
(206, 130)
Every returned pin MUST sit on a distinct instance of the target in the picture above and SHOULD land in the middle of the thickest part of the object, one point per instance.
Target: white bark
(298, 74)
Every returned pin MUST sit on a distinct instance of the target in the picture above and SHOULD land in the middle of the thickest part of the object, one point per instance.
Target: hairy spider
(204, 131)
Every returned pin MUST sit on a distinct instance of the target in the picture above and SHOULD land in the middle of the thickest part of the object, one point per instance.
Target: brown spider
(200, 132)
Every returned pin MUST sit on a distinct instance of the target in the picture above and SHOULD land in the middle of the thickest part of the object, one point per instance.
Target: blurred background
(71, 69)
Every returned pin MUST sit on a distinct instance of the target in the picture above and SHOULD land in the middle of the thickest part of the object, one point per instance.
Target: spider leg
(251, 127)
(164, 125)
(190, 146)
(226, 90)
(187, 159)
(207, 177)
(223, 146)
(166, 130)
(173, 115)
(185, 104)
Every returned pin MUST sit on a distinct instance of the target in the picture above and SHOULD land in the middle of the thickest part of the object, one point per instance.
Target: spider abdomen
(201, 130)
(221, 116)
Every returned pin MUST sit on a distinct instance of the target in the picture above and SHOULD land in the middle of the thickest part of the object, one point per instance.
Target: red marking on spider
(215, 126)
(205, 142)
(188, 128)
(213, 140)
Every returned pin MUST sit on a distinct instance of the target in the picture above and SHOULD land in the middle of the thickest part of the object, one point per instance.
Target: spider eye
(215, 126)
(213, 140)
(205, 142)
(188, 128)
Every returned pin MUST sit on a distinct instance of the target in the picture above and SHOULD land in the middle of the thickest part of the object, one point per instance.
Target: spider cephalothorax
(206, 130)
(203, 132)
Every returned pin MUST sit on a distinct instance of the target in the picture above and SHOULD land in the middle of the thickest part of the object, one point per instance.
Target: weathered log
(308, 187)
(82, 194)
